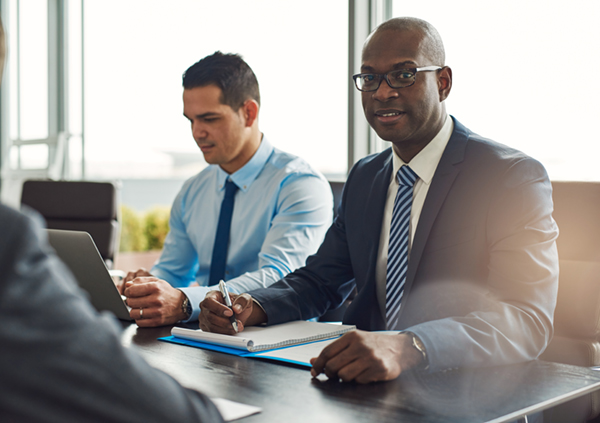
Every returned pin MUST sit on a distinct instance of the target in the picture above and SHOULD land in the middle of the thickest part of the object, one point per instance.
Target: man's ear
(250, 111)
(444, 82)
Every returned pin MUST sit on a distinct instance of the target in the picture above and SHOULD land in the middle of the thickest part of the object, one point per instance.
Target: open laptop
(78, 251)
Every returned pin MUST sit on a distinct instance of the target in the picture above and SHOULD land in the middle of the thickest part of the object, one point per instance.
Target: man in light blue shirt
(282, 207)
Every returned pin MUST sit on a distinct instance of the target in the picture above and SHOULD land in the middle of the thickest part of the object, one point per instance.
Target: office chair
(78, 206)
(577, 315)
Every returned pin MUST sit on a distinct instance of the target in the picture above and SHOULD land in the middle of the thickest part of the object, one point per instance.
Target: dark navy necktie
(397, 264)
(219, 255)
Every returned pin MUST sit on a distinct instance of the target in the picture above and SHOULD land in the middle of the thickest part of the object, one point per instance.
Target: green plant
(144, 231)
(132, 234)
(156, 227)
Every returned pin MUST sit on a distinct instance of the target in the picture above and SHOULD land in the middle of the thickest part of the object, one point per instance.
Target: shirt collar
(244, 177)
(425, 163)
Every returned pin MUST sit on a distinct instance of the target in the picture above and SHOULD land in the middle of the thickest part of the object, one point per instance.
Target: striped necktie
(219, 255)
(397, 264)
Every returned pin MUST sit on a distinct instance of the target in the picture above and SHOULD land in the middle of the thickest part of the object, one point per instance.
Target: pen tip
(235, 326)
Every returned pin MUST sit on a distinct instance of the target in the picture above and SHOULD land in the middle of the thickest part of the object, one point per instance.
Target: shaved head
(432, 46)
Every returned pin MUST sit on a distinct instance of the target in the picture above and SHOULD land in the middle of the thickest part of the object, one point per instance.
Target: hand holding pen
(227, 299)
(221, 312)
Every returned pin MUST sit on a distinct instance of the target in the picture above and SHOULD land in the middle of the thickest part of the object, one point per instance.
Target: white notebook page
(260, 338)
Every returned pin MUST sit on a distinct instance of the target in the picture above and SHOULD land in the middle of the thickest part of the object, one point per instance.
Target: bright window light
(524, 75)
(137, 50)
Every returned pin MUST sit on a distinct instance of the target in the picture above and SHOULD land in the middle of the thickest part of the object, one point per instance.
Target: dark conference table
(287, 393)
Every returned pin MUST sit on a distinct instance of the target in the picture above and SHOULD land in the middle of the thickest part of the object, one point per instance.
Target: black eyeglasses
(400, 78)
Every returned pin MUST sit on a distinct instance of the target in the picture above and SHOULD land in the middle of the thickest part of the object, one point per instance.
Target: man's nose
(198, 131)
(385, 92)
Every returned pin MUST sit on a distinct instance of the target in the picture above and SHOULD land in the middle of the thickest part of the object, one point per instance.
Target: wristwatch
(417, 344)
(186, 307)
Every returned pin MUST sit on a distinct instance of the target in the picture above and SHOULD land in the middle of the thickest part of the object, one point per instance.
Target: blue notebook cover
(232, 351)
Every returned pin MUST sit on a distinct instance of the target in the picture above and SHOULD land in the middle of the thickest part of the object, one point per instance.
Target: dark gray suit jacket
(60, 361)
(483, 271)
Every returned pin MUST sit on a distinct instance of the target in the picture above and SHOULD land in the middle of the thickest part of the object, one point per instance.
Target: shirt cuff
(195, 295)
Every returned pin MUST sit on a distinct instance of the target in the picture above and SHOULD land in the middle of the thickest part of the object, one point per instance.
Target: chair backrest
(80, 206)
(577, 315)
(336, 188)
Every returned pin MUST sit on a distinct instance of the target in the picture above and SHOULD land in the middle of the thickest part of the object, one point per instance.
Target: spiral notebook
(255, 341)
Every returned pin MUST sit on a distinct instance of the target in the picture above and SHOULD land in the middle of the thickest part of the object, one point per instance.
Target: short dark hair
(230, 73)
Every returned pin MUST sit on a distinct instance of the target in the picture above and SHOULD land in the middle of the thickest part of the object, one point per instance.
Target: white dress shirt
(424, 165)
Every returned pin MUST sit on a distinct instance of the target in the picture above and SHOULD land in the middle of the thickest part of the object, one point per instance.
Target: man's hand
(129, 277)
(214, 314)
(160, 302)
(366, 357)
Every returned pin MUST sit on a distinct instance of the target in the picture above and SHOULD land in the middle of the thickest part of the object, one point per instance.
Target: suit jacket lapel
(441, 183)
(367, 306)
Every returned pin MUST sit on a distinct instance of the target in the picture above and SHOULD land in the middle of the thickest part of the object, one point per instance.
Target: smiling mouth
(389, 116)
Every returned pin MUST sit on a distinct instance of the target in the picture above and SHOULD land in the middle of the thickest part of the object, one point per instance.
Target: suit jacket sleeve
(62, 361)
(503, 313)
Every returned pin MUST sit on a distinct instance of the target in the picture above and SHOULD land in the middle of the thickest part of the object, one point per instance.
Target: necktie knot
(406, 176)
(230, 188)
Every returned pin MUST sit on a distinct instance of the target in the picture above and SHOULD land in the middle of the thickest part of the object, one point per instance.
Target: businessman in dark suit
(479, 270)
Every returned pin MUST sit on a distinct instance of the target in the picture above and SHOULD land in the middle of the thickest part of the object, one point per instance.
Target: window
(136, 52)
(99, 83)
(37, 135)
(31, 42)
(524, 75)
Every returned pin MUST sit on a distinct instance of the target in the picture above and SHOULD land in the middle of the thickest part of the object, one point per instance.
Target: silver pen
(225, 294)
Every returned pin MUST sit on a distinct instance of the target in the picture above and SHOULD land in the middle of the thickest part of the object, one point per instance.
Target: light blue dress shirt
(281, 212)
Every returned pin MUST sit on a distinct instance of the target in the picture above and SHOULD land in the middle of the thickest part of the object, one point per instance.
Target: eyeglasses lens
(401, 78)
(397, 79)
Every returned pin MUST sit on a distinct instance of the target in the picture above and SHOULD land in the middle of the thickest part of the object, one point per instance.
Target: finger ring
(141, 313)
